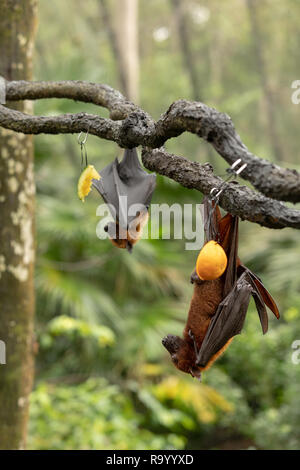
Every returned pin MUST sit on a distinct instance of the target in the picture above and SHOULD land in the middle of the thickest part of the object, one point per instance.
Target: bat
(218, 308)
(127, 190)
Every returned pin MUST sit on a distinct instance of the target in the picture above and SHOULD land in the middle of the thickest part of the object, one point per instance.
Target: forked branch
(129, 126)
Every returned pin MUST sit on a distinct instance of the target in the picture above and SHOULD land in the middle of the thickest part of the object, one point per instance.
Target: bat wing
(227, 322)
(229, 243)
(228, 233)
(211, 218)
(106, 186)
(135, 183)
(124, 184)
(261, 293)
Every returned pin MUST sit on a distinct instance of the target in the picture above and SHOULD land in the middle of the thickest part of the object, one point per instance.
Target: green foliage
(278, 427)
(92, 415)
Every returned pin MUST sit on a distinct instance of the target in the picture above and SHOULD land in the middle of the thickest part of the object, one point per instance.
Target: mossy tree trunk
(17, 189)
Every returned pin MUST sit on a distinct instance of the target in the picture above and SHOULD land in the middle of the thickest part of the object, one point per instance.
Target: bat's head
(122, 238)
(118, 236)
(172, 344)
(182, 355)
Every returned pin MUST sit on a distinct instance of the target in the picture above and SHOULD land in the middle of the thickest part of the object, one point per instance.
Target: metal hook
(215, 193)
(83, 147)
(82, 142)
(234, 165)
(233, 173)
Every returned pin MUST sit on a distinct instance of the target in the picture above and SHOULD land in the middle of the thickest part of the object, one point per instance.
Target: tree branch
(238, 200)
(218, 129)
(208, 123)
(130, 126)
(63, 124)
(87, 92)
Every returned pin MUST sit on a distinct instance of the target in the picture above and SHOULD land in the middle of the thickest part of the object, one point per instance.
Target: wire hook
(233, 173)
(215, 193)
(82, 142)
(83, 149)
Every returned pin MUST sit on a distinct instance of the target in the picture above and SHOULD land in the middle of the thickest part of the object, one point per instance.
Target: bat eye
(106, 228)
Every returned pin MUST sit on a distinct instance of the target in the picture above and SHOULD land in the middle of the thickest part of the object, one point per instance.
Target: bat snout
(165, 341)
(172, 343)
(196, 374)
(129, 247)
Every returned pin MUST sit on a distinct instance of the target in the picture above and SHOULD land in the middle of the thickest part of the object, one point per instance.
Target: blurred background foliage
(103, 379)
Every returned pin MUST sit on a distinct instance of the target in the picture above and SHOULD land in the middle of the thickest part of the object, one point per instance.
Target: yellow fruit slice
(211, 262)
(85, 181)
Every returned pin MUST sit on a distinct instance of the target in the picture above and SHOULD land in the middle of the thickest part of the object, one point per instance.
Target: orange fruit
(211, 262)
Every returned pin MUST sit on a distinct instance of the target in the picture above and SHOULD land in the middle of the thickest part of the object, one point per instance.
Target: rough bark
(17, 25)
(239, 200)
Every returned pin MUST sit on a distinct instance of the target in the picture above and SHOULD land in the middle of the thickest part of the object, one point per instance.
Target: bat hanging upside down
(127, 189)
(218, 307)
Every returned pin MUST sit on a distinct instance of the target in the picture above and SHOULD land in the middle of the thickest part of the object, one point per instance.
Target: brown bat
(218, 308)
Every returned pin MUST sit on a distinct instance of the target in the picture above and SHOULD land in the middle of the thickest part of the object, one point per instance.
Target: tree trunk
(188, 60)
(264, 79)
(17, 189)
(114, 43)
(185, 47)
(127, 34)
